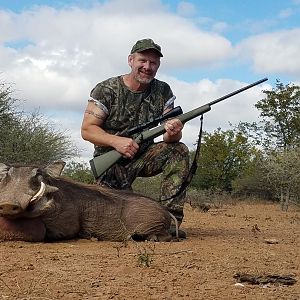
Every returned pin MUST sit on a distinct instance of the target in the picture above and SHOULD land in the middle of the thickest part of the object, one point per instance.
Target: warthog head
(22, 188)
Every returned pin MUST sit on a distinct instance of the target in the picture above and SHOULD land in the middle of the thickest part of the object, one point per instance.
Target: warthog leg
(176, 225)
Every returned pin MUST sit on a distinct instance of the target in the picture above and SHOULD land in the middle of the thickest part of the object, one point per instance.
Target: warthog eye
(34, 183)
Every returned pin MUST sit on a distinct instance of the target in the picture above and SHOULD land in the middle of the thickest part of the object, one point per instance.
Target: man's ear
(130, 60)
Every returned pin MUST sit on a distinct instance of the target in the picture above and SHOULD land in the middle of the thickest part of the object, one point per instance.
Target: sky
(54, 52)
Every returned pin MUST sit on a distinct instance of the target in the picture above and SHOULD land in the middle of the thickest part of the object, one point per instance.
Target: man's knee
(179, 158)
(178, 150)
(178, 146)
(181, 148)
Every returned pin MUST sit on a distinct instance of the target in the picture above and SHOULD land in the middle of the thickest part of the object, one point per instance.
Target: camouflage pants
(172, 160)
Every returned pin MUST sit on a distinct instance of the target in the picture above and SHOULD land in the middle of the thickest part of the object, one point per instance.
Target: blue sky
(240, 19)
(54, 52)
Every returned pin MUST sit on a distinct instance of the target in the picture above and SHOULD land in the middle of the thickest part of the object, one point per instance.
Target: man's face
(144, 65)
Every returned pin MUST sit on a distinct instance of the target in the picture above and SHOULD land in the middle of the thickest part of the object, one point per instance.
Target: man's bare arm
(92, 131)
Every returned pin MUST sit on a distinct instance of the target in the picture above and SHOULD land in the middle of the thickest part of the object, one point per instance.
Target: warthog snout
(9, 209)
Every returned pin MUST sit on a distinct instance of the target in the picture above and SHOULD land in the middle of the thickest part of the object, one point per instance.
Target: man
(120, 103)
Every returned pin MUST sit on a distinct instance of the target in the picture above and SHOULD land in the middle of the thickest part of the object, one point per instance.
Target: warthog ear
(3, 170)
(55, 169)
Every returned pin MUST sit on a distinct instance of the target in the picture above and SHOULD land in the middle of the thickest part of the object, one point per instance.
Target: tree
(29, 137)
(7, 117)
(252, 181)
(278, 134)
(281, 171)
(79, 171)
(279, 126)
(223, 156)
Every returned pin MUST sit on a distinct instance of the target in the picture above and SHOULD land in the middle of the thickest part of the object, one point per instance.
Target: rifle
(102, 163)
(170, 114)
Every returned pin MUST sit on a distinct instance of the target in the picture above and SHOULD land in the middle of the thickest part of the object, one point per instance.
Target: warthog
(37, 204)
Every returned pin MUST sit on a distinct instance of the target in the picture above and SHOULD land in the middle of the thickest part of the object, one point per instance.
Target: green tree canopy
(223, 156)
(281, 172)
(279, 126)
(29, 137)
(79, 171)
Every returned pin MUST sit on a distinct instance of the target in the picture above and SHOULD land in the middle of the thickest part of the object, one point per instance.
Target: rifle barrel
(238, 91)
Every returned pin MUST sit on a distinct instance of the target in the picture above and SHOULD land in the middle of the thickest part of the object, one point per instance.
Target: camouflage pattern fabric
(127, 109)
(172, 160)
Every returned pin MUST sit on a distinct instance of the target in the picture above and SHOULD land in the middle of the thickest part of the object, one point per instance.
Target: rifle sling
(194, 164)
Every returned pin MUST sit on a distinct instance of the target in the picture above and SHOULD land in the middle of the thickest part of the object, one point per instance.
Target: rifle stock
(102, 163)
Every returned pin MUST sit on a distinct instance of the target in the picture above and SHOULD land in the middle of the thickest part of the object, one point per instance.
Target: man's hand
(126, 146)
(173, 127)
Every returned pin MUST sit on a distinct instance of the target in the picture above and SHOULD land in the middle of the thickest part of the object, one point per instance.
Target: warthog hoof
(181, 233)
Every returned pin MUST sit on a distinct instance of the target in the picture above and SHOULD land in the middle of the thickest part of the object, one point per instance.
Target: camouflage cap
(145, 44)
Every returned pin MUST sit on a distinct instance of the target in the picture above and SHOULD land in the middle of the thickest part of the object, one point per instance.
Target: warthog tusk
(40, 193)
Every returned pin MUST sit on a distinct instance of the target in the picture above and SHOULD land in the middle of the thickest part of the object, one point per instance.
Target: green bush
(79, 171)
(149, 186)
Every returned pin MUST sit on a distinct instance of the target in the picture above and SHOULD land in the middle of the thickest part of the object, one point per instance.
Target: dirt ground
(253, 238)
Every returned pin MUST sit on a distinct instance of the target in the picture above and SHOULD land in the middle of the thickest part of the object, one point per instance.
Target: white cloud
(69, 50)
(276, 52)
(220, 27)
(69, 122)
(234, 109)
(238, 108)
(185, 8)
(65, 52)
(285, 13)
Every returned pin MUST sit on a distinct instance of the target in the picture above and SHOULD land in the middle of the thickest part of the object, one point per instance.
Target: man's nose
(147, 65)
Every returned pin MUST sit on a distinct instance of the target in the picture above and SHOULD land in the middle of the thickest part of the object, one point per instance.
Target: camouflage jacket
(126, 109)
